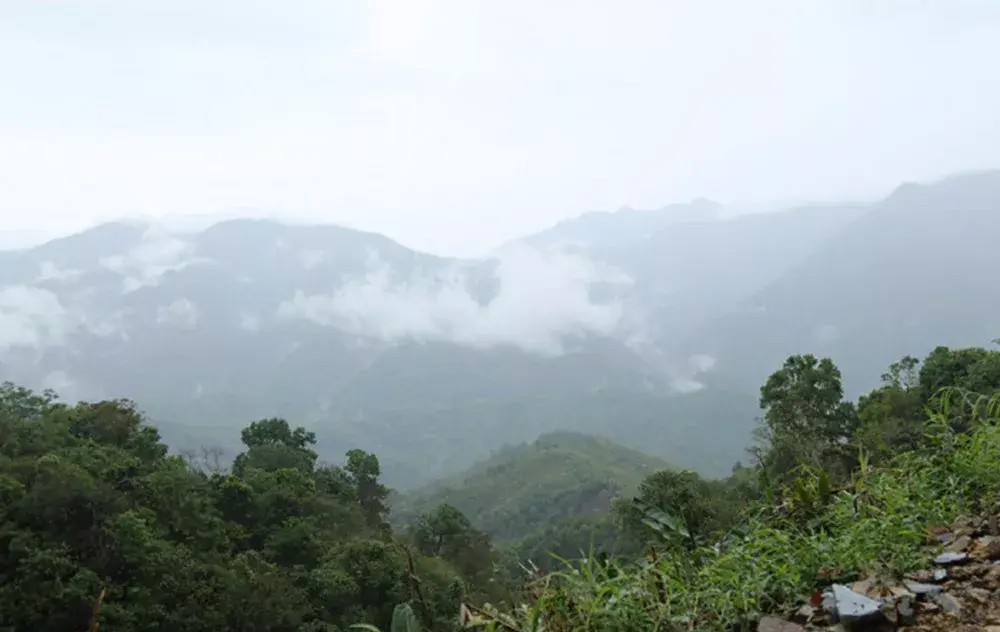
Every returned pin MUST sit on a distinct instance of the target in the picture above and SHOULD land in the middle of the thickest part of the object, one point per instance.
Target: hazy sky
(453, 125)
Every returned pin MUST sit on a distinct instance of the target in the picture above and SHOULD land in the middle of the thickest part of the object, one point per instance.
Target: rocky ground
(958, 592)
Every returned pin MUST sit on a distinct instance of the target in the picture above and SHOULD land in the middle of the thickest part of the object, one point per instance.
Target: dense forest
(101, 523)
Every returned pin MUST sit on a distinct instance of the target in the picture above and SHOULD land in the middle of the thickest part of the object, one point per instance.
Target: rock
(960, 544)
(855, 609)
(993, 576)
(774, 624)
(923, 576)
(830, 607)
(906, 614)
(804, 614)
(994, 525)
(945, 538)
(939, 575)
(979, 594)
(949, 558)
(863, 586)
(966, 525)
(987, 547)
(889, 613)
(922, 590)
(949, 604)
(896, 592)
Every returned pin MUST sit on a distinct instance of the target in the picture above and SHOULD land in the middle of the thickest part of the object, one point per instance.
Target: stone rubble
(959, 592)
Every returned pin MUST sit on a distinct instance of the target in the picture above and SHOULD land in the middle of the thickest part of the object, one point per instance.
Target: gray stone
(830, 607)
(922, 590)
(888, 609)
(940, 575)
(979, 594)
(855, 609)
(774, 624)
(949, 558)
(960, 544)
(906, 614)
(948, 603)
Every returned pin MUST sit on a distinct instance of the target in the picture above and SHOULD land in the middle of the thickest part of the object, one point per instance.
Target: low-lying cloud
(180, 313)
(542, 298)
(158, 252)
(32, 318)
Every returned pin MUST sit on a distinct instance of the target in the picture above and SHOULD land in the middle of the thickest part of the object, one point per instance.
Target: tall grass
(877, 524)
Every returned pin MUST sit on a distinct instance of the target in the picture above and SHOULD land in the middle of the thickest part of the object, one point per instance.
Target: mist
(541, 299)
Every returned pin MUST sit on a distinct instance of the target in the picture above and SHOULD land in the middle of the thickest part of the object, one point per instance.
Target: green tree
(694, 503)
(891, 417)
(273, 445)
(363, 469)
(806, 420)
(445, 532)
(92, 504)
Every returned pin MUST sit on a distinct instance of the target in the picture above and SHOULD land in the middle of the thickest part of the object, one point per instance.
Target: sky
(455, 125)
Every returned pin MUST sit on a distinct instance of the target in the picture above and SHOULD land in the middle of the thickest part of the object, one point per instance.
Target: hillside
(692, 271)
(519, 488)
(846, 506)
(651, 328)
(912, 272)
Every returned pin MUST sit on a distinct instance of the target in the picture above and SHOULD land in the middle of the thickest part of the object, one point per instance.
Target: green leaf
(404, 619)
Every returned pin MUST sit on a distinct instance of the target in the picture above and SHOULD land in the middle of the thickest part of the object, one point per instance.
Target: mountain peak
(624, 226)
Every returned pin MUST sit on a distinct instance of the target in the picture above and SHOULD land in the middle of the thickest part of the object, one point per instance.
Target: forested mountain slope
(913, 272)
(518, 488)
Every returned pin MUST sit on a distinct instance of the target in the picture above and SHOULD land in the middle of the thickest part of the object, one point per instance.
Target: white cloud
(543, 298)
(158, 252)
(182, 313)
(685, 380)
(312, 258)
(32, 317)
(249, 322)
(48, 271)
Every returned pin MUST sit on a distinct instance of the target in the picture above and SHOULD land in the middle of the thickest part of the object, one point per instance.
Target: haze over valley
(651, 328)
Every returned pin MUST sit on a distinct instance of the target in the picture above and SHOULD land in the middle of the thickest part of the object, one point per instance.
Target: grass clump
(780, 554)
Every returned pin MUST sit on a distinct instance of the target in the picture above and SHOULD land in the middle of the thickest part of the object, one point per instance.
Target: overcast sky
(453, 125)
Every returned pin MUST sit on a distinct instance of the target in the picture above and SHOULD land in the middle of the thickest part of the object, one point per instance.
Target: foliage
(876, 525)
(691, 506)
(92, 504)
(520, 488)
(96, 515)
(806, 420)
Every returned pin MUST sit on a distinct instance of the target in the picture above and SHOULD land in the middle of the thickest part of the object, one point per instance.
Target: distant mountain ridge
(914, 271)
(651, 328)
(624, 226)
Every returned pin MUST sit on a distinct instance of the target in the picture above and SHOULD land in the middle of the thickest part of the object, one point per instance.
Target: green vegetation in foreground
(95, 512)
(773, 562)
(561, 475)
(839, 490)
(92, 505)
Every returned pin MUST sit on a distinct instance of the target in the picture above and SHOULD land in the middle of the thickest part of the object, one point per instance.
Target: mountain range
(652, 328)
